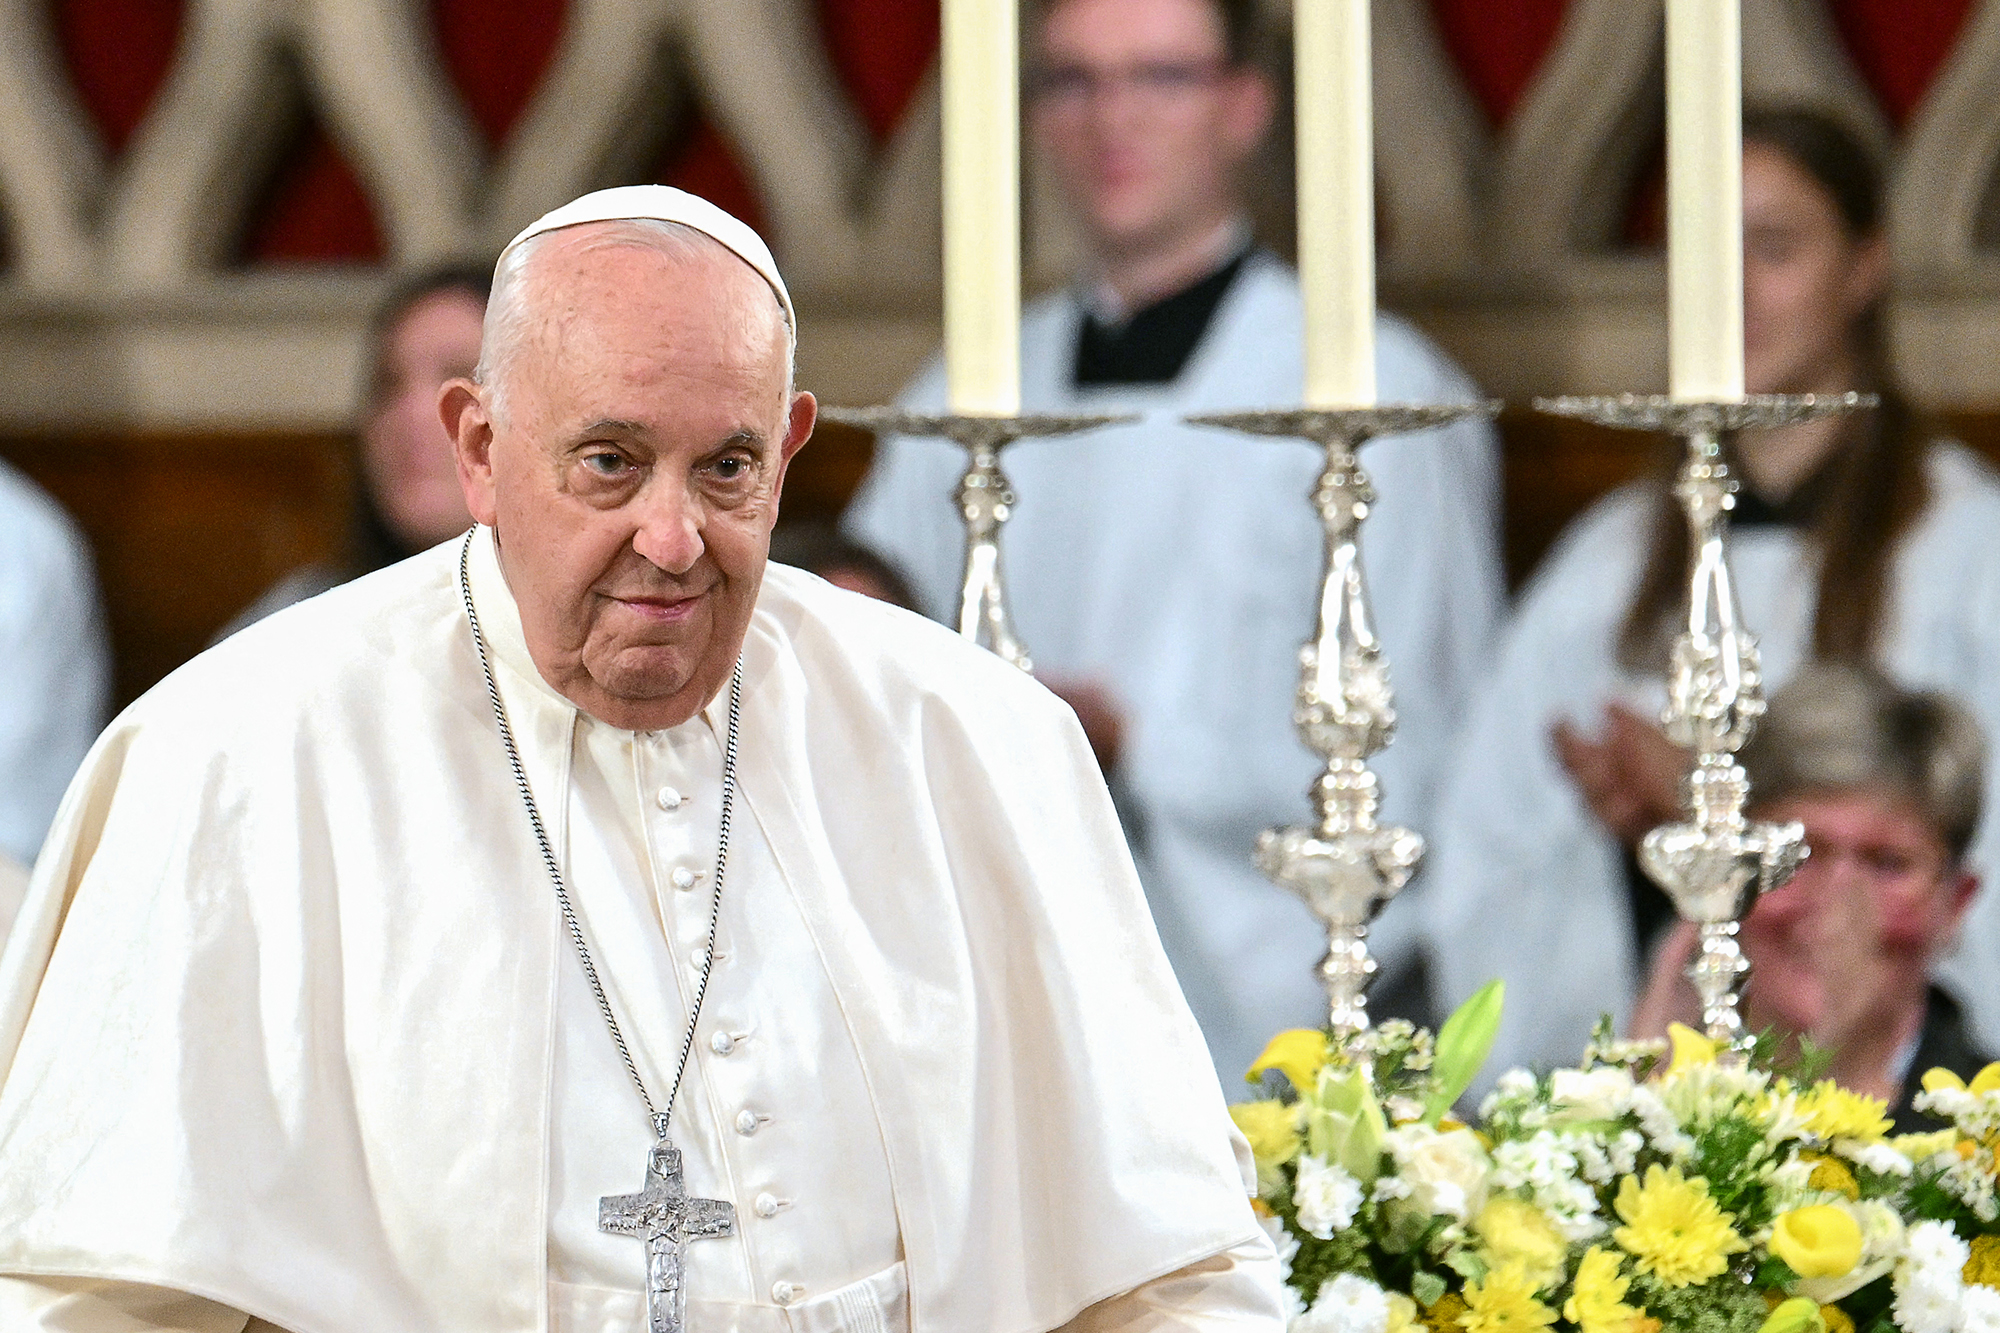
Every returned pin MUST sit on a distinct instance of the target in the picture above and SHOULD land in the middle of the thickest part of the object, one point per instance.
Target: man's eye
(731, 468)
(604, 464)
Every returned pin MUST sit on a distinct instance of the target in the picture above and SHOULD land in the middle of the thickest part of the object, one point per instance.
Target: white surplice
(55, 661)
(1528, 885)
(1180, 567)
(291, 1025)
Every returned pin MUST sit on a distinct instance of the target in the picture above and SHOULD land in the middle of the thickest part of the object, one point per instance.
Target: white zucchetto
(664, 203)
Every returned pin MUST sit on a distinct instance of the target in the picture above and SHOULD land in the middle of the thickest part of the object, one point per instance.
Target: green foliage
(1720, 1305)
(1727, 1152)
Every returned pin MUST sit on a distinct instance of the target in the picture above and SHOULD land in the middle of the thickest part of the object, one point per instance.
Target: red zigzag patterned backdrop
(314, 209)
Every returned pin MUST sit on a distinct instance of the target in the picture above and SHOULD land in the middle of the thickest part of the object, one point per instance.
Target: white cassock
(1528, 885)
(1181, 567)
(291, 1028)
(55, 664)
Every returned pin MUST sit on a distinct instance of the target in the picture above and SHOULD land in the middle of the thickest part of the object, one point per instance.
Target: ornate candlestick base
(1716, 864)
(984, 499)
(1344, 865)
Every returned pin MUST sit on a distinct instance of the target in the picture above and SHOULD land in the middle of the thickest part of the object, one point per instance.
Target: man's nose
(669, 528)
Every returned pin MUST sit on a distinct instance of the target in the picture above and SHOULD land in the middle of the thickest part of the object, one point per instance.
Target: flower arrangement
(1653, 1188)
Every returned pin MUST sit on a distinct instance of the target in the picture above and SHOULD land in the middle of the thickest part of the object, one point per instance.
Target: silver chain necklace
(662, 1214)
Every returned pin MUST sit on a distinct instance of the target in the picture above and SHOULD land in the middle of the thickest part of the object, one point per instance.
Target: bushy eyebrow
(745, 438)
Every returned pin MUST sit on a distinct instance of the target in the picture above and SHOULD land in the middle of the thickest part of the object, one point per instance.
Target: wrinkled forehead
(679, 293)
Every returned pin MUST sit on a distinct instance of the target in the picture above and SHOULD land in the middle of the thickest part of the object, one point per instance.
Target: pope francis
(584, 927)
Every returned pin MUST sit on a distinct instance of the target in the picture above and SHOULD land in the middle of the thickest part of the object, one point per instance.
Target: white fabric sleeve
(92, 1305)
(1236, 1289)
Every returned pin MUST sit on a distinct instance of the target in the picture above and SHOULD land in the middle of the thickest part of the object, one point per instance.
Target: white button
(784, 1293)
(698, 959)
(683, 878)
(746, 1123)
(766, 1205)
(722, 1043)
(670, 799)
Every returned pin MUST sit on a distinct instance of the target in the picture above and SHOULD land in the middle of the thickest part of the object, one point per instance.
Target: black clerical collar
(1153, 345)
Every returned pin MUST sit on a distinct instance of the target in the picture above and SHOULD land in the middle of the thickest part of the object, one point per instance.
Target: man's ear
(798, 429)
(462, 405)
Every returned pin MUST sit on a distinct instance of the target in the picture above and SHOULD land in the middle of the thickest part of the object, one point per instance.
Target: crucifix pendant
(665, 1217)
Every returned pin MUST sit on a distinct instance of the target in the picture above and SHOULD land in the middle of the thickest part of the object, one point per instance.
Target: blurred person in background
(55, 668)
(407, 496)
(1889, 785)
(819, 547)
(1857, 538)
(1163, 576)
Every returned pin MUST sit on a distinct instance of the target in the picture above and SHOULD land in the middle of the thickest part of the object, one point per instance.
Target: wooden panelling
(189, 529)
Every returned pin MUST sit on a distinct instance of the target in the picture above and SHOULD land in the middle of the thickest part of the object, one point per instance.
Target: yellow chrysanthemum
(1673, 1229)
(1837, 1319)
(1297, 1054)
(1598, 1303)
(1832, 1112)
(1514, 1231)
(1817, 1241)
(1272, 1129)
(1832, 1175)
(1504, 1303)
(1984, 1265)
(1918, 1147)
(1403, 1316)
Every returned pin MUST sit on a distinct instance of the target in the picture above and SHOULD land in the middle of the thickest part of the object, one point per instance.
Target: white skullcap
(627, 203)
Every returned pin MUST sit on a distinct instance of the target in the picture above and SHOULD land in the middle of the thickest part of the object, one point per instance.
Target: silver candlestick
(1344, 865)
(985, 501)
(1716, 864)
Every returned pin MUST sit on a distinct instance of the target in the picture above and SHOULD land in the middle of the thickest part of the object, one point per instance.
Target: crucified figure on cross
(665, 1217)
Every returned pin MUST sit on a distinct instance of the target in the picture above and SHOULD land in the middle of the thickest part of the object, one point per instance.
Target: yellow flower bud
(1691, 1048)
(1818, 1241)
(1798, 1315)
(1297, 1054)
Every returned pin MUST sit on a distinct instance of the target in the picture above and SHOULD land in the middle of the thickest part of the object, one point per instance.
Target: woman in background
(407, 497)
(1888, 784)
(1860, 538)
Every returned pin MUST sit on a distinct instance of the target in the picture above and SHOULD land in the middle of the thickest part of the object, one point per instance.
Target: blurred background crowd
(243, 243)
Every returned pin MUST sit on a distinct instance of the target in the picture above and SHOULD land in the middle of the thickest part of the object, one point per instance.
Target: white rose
(1326, 1196)
(1446, 1172)
(1591, 1094)
(1345, 1304)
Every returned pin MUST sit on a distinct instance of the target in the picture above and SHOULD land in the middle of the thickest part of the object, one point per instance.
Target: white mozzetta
(281, 1020)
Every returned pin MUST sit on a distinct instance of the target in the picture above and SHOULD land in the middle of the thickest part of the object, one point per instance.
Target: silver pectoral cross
(665, 1217)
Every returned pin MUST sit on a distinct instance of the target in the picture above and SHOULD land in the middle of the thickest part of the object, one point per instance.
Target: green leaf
(1427, 1287)
(1463, 1044)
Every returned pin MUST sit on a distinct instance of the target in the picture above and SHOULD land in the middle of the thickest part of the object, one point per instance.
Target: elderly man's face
(633, 477)
(1860, 921)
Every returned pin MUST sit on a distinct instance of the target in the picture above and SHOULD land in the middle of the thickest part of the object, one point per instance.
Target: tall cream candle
(1336, 200)
(1705, 200)
(982, 228)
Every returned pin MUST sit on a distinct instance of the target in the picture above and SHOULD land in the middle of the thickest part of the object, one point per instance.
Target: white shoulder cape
(275, 1023)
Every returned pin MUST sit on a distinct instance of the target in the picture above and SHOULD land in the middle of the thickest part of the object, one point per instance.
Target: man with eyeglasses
(1162, 576)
